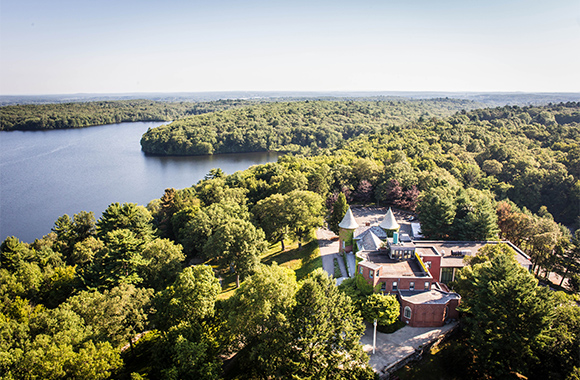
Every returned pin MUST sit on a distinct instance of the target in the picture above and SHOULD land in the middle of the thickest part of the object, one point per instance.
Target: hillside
(287, 126)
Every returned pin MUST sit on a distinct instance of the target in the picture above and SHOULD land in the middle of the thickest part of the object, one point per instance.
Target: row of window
(426, 285)
(402, 253)
(371, 272)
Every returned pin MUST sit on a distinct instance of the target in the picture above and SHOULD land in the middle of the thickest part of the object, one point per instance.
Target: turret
(346, 232)
(389, 224)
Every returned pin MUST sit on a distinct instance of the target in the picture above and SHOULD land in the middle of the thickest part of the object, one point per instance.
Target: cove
(46, 174)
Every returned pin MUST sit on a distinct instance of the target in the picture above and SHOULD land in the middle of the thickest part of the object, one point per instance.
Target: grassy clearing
(337, 271)
(301, 261)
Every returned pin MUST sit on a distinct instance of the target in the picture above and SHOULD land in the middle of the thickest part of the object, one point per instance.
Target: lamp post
(375, 336)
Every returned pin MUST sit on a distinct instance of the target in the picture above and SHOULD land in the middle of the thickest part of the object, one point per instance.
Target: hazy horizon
(110, 47)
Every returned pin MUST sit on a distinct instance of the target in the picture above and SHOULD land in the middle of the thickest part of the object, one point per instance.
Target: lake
(46, 174)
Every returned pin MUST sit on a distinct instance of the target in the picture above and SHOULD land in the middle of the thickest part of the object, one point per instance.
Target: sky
(104, 46)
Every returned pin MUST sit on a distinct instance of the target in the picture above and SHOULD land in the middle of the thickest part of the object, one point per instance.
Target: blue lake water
(46, 174)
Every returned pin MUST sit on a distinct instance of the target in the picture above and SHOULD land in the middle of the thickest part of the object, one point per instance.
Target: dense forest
(78, 115)
(86, 114)
(288, 126)
(529, 154)
(74, 302)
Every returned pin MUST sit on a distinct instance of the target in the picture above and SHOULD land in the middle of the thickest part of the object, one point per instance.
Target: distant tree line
(287, 126)
(79, 115)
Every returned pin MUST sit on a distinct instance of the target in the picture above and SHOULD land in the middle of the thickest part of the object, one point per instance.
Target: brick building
(416, 271)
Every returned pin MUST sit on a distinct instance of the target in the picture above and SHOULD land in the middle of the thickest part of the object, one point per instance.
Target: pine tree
(339, 209)
(505, 312)
(323, 338)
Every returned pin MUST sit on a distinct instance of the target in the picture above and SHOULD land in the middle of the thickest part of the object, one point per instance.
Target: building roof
(389, 223)
(369, 242)
(348, 221)
(416, 230)
(453, 252)
(361, 232)
(391, 268)
(428, 296)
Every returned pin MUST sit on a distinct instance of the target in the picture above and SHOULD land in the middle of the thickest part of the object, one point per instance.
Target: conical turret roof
(348, 221)
(389, 223)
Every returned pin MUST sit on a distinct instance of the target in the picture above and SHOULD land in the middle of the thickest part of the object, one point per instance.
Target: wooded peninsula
(87, 114)
(118, 297)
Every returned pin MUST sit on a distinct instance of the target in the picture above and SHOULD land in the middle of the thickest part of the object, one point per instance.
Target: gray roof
(389, 223)
(428, 297)
(348, 221)
(362, 231)
(369, 238)
(369, 242)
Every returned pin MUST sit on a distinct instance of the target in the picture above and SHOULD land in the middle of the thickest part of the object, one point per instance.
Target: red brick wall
(424, 315)
(435, 269)
(403, 283)
(429, 315)
(453, 313)
(366, 274)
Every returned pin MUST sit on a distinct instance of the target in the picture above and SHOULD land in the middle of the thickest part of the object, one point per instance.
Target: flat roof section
(426, 251)
(393, 268)
(446, 247)
(468, 248)
(428, 296)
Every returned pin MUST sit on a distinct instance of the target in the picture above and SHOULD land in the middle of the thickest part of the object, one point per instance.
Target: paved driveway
(329, 252)
(392, 348)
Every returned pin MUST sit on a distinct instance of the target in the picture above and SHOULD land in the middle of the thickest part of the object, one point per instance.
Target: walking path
(395, 347)
(329, 252)
(351, 262)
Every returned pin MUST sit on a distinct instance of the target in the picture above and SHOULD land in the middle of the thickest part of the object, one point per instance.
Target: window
(360, 269)
(395, 285)
(407, 312)
(383, 286)
(378, 272)
(427, 285)
(371, 273)
(411, 285)
(446, 275)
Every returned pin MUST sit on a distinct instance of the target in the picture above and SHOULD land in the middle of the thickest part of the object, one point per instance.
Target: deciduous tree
(238, 244)
(384, 309)
(275, 224)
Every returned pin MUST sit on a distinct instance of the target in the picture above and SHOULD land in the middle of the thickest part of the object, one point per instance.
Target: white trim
(407, 309)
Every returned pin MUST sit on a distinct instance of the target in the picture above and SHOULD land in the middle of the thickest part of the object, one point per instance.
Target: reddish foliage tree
(364, 192)
(394, 192)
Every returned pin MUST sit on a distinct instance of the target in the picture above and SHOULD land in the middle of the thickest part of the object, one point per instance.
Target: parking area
(374, 216)
(395, 347)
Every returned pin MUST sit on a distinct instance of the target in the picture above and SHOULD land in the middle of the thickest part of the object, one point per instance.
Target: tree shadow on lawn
(301, 261)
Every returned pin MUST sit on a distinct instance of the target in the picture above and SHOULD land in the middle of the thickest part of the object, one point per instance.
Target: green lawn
(337, 272)
(301, 261)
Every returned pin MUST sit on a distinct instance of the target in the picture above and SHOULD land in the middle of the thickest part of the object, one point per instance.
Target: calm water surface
(46, 174)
